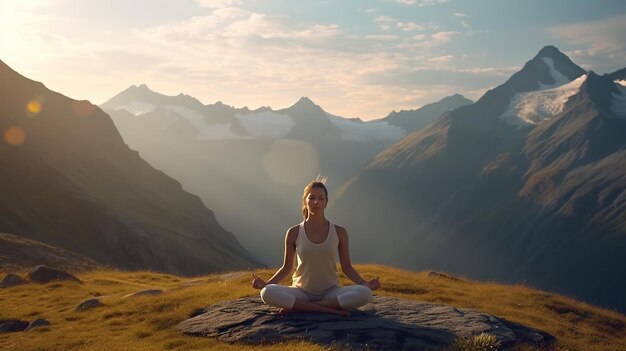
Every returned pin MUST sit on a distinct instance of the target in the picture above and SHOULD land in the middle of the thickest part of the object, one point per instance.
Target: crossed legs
(337, 300)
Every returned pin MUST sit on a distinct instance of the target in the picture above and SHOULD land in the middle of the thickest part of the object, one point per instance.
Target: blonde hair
(318, 182)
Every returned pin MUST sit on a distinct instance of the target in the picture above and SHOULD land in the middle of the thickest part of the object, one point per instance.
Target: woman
(315, 285)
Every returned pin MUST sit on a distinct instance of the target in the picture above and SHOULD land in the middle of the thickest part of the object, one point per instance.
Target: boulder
(44, 274)
(12, 325)
(385, 323)
(144, 293)
(11, 280)
(39, 322)
(87, 304)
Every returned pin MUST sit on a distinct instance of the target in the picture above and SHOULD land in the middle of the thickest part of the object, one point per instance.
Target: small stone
(39, 322)
(12, 325)
(144, 293)
(44, 274)
(87, 304)
(11, 280)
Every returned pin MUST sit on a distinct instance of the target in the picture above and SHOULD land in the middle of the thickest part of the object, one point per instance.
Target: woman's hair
(318, 182)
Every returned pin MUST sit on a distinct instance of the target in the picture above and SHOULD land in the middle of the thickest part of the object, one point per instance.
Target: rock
(385, 323)
(39, 322)
(12, 325)
(87, 304)
(44, 274)
(432, 274)
(11, 280)
(144, 293)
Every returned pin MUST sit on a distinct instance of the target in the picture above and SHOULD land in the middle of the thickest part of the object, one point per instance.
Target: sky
(354, 58)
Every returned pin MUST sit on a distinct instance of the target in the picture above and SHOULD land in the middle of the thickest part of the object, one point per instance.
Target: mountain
(17, 252)
(413, 120)
(524, 185)
(70, 181)
(247, 163)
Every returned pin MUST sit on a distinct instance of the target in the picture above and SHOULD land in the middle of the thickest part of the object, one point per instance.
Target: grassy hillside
(146, 323)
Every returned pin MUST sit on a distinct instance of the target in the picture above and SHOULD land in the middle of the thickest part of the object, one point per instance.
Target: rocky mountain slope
(522, 186)
(69, 180)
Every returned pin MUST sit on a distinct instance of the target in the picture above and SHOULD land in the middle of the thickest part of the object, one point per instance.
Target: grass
(146, 323)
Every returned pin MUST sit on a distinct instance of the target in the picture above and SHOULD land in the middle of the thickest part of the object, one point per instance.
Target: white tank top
(316, 271)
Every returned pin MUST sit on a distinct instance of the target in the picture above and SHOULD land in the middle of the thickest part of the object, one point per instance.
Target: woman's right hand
(257, 282)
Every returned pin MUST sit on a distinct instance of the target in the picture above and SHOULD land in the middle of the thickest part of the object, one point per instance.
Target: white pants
(352, 296)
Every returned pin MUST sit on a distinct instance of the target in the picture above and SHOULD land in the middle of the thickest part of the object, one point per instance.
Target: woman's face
(316, 200)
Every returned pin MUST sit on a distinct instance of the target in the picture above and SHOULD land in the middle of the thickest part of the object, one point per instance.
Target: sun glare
(33, 108)
(14, 136)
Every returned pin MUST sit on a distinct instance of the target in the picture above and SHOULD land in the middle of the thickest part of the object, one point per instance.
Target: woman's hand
(373, 284)
(257, 282)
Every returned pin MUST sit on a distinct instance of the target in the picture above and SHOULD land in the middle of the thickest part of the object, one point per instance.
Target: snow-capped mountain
(250, 163)
(219, 121)
(525, 185)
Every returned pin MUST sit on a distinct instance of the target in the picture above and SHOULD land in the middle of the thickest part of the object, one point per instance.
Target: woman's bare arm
(346, 264)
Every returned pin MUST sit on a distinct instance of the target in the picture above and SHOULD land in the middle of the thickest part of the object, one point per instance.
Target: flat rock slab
(150, 292)
(385, 323)
(87, 305)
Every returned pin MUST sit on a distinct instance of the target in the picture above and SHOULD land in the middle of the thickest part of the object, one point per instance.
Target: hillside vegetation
(147, 323)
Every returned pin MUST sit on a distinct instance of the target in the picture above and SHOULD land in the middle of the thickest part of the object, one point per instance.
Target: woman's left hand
(373, 284)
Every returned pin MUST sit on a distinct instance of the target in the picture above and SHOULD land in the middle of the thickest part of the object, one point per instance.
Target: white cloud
(419, 3)
(459, 15)
(441, 59)
(215, 4)
(445, 36)
(410, 26)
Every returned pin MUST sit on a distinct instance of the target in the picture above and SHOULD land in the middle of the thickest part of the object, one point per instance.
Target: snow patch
(206, 131)
(618, 105)
(137, 107)
(367, 131)
(266, 124)
(559, 78)
(534, 107)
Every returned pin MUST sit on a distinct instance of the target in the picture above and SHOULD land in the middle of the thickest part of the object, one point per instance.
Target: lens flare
(291, 162)
(14, 136)
(33, 108)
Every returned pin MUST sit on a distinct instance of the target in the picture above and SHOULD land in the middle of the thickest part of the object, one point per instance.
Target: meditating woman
(315, 285)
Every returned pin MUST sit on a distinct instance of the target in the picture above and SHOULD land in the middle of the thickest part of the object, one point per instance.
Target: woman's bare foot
(284, 311)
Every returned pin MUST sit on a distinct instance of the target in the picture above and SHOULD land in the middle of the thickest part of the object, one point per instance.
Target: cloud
(419, 3)
(410, 26)
(601, 42)
(214, 4)
(459, 15)
(441, 59)
(445, 36)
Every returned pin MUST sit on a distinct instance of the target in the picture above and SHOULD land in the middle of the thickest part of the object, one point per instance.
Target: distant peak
(549, 50)
(305, 102)
(553, 53)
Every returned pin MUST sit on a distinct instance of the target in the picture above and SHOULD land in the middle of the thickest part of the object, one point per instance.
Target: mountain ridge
(486, 198)
(75, 184)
